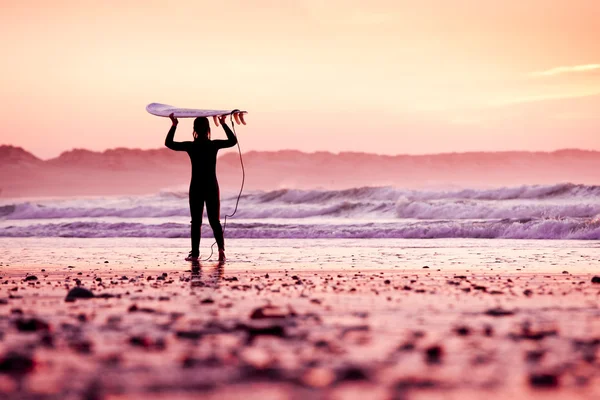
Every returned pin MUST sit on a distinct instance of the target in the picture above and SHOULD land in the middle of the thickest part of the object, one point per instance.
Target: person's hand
(173, 119)
(223, 119)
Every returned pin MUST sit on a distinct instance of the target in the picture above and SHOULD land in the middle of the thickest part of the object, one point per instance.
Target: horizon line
(318, 151)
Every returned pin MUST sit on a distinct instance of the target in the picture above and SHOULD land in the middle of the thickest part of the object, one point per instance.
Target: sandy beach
(407, 193)
(288, 319)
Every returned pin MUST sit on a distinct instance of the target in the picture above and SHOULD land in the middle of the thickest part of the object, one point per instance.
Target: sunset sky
(378, 76)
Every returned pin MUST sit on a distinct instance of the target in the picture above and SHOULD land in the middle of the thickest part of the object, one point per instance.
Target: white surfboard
(164, 110)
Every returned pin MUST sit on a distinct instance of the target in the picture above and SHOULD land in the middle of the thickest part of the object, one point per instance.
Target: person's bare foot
(222, 257)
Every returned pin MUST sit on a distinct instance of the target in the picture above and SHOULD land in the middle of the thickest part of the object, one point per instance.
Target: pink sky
(379, 76)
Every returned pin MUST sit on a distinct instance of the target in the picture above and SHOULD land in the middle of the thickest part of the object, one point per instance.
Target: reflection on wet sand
(207, 274)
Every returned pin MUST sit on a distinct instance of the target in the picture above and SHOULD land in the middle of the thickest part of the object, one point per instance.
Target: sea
(553, 212)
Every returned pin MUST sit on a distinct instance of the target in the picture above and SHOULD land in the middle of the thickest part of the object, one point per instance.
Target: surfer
(204, 187)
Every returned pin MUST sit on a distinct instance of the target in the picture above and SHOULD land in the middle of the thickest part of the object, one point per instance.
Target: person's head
(201, 129)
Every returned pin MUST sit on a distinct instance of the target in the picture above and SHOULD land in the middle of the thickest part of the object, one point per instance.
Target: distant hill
(134, 171)
(16, 155)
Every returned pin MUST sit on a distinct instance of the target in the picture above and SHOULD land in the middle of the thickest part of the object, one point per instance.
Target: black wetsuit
(204, 186)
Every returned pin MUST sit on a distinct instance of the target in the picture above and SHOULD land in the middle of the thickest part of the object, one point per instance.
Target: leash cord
(241, 187)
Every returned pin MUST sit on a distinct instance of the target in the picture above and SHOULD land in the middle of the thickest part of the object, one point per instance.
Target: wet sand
(364, 319)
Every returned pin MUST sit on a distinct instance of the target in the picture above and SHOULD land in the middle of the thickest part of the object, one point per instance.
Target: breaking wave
(505, 229)
(555, 201)
(562, 211)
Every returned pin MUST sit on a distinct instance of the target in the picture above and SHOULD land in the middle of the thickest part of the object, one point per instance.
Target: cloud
(566, 70)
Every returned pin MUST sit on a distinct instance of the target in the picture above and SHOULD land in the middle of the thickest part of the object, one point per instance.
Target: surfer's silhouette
(204, 187)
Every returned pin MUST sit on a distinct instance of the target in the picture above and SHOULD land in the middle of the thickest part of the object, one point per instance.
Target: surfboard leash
(241, 186)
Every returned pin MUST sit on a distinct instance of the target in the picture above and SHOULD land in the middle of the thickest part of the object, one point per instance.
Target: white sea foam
(562, 211)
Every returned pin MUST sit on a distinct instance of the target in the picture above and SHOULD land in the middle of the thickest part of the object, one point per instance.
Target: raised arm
(169, 142)
(231, 139)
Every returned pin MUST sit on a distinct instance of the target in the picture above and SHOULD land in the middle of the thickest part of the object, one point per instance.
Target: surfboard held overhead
(164, 110)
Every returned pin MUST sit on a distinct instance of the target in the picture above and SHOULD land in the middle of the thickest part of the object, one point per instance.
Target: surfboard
(164, 110)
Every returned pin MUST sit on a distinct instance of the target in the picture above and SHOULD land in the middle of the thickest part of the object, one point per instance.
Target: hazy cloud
(566, 70)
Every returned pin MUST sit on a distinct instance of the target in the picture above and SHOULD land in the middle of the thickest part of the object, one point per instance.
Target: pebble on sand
(498, 312)
(596, 279)
(31, 325)
(352, 373)
(544, 380)
(140, 341)
(16, 364)
(78, 293)
(254, 331)
(433, 354)
(462, 331)
(268, 312)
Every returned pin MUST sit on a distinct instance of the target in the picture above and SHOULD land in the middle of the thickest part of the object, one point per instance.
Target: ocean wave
(470, 209)
(388, 193)
(525, 192)
(553, 201)
(528, 192)
(43, 211)
(403, 208)
(546, 228)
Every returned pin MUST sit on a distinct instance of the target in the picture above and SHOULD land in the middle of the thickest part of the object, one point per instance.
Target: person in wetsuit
(204, 187)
